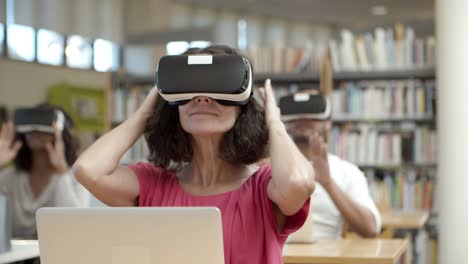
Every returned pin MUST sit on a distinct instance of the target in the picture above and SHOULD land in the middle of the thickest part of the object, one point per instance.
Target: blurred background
(51, 43)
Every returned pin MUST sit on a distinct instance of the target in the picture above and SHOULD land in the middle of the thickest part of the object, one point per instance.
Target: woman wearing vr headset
(41, 175)
(202, 153)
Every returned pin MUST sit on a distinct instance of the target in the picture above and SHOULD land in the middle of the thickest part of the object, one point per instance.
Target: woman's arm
(98, 167)
(360, 218)
(8, 146)
(292, 180)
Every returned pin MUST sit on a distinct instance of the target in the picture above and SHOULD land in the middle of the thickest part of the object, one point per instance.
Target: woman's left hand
(272, 111)
(292, 175)
(319, 156)
(57, 152)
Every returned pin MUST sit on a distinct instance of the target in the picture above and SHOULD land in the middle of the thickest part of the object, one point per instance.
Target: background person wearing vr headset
(42, 153)
(202, 154)
(342, 193)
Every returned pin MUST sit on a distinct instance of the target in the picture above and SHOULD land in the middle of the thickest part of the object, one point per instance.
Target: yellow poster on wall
(86, 105)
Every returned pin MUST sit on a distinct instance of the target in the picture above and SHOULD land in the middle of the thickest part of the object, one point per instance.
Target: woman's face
(37, 140)
(203, 116)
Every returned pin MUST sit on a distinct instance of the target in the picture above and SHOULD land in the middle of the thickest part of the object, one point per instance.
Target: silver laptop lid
(130, 235)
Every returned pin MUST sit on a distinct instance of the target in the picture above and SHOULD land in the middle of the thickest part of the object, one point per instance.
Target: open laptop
(130, 235)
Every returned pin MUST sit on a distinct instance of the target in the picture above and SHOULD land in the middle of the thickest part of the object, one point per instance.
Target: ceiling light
(379, 10)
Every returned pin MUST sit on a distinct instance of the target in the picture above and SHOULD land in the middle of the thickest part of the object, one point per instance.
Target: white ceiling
(354, 14)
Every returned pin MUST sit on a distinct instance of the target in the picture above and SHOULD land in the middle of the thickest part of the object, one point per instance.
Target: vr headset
(36, 119)
(225, 78)
(304, 106)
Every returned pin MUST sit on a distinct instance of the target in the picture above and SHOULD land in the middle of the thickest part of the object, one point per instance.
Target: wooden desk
(410, 220)
(346, 251)
(392, 220)
(20, 250)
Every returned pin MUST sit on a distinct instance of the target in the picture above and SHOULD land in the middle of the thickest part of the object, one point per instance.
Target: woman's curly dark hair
(23, 160)
(170, 146)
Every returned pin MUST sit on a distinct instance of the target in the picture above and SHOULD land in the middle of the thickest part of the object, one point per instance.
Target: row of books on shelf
(395, 48)
(126, 101)
(364, 100)
(384, 99)
(280, 59)
(386, 49)
(369, 145)
(406, 190)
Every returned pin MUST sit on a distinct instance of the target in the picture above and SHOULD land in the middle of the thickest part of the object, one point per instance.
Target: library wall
(140, 17)
(23, 83)
(261, 30)
(146, 16)
(95, 19)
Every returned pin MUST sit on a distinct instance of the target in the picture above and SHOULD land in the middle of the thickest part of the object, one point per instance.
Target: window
(199, 44)
(79, 52)
(179, 47)
(176, 47)
(2, 38)
(106, 55)
(49, 47)
(21, 42)
(242, 34)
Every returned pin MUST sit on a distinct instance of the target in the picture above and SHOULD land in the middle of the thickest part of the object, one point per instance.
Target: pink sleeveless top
(248, 217)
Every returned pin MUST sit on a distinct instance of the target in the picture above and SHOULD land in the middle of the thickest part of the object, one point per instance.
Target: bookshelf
(347, 119)
(314, 78)
(396, 166)
(383, 93)
(390, 128)
(383, 112)
(387, 131)
(125, 93)
(390, 116)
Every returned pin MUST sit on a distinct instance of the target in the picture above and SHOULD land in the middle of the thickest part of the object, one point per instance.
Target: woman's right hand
(8, 149)
(148, 106)
(98, 167)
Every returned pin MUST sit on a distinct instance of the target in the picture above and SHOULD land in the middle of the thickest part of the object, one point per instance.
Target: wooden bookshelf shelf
(132, 80)
(347, 119)
(288, 78)
(397, 166)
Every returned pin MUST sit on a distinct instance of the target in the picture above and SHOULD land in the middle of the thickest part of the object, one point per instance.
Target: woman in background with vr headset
(41, 176)
(202, 154)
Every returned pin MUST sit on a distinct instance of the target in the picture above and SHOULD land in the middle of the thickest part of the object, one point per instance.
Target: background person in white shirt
(42, 175)
(342, 193)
